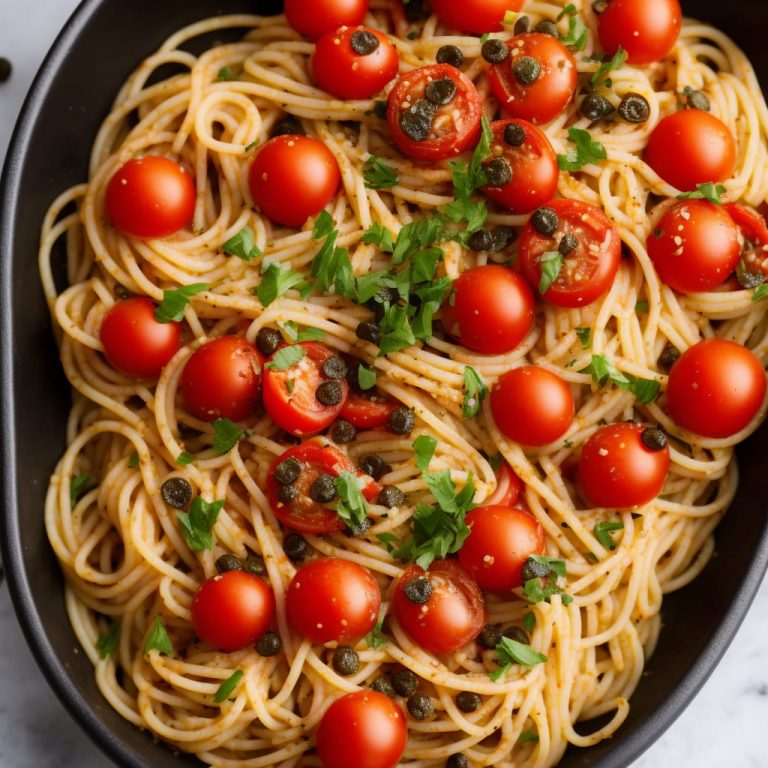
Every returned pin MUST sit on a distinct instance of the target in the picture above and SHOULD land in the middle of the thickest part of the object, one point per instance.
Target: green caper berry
(369, 331)
(382, 685)
(547, 27)
(669, 357)
(441, 91)
(288, 494)
(501, 237)
(514, 135)
(254, 565)
(494, 51)
(457, 761)
(696, 99)
(595, 106)
(374, 466)
(390, 496)
(634, 108)
(522, 26)
(345, 660)
(480, 240)
(450, 54)
(363, 42)
(498, 172)
(343, 432)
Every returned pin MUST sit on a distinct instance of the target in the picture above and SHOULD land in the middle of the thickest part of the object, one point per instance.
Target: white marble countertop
(724, 726)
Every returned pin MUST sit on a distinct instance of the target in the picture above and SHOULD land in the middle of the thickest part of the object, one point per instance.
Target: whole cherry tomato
(315, 18)
(474, 15)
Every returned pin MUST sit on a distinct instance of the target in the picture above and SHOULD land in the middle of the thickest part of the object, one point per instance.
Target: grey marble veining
(725, 725)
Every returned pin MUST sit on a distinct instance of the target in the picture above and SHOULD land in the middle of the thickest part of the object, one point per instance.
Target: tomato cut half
(290, 396)
(754, 232)
(508, 486)
(589, 269)
(453, 615)
(552, 90)
(303, 513)
(435, 124)
(367, 412)
(532, 164)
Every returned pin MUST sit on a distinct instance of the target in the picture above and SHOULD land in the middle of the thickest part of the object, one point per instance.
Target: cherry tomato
(490, 310)
(452, 616)
(691, 147)
(695, 247)
(474, 15)
(508, 487)
(233, 610)
(333, 600)
(533, 168)
(150, 197)
(302, 513)
(339, 68)
(589, 269)
(221, 379)
(500, 541)
(552, 90)
(532, 405)
(367, 412)
(716, 388)
(364, 729)
(134, 342)
(315, 18)
(617, 469)
(427, 132)
(754, 232)
(293, 178)
(290, 396)
(646, 29)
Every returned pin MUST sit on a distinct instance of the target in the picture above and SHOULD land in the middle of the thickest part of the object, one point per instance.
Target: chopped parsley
(529, 621)
(617, 62)
(603, 370)
(296, 335)
(542, 587)
(378, 175)
(242, 245)
(603, 531)
(641, 308)
(228, 686)
(171, 308)
(324, 225)
(377, 234)
(284, 359)
(396, 331)
(184, 459)
(276, 281)
(760, 293)
(709, 191)
(224, 74)
(577, 34)
(366, 377)
(157, 639)
(475, 391)
(106, 644)
(374, 638)
(509, 652)
(78, 487)
(226, 435)
(133, 461)
(197, 524)
(586, 152)
(551, 264)
(585, 337)
(352, 507)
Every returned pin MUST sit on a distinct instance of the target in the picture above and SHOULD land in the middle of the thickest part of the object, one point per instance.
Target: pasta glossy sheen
(121, 547)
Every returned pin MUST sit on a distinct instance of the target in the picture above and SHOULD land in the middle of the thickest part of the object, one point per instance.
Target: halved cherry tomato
(314, 18)
(433, 130)
(716, 388)
(303, 513)
(452, 616)
(589, 269)
(150, 197)
(367, 412)
(533, 168)
(134, 342)
(501, 539)
(290, 396)
(474, 15)
(508, 487)
(233, 610)
(364, 729)
(646, 29)
(617, 469)
(695, 246)
(221, 379)
(490, 310)
(333, 600)
(554, 87)
(293, 178)
(754, 231)
(532, 405)
(340, 66)
(691, 147)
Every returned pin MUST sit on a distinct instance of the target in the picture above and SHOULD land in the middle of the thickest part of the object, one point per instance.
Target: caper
(467, 701)
(595, 106)
(545, 221)
(420, 706)
(568, 244)
(634, 108)
(418, 590)
(402, 420)
(405, 682)
(416, 122)
(547, 27)
(269, 644)
(343, 432)
(390, 496)
(494, 51)
(374, 466)
(268, 340)
(369, 331)
(358, 530)
(176, 492)
(288, 471)
(335, 367)
(323, 489)
(441, 91)
(522, 25)
(527, 70)
(288, 494)
(696, 99)
(364, 42)
(254, 565)
(345, 660)
(330, 393)
(480, 240)
(295, 546)
(450, 54)
(498, 172)
(669, 356)
(501, 237)
(288, 126)
(490, 636)
(654, 439)
(382, 685)
(533, 569)
(457, 761)
(514, 135)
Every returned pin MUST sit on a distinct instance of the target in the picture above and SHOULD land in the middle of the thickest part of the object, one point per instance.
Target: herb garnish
(174, 302)
(296, 335)
(374, 638)
(276, 281)
(543, 587)
(603, 369)
(284, 359)
(197, 524)
(585, 337)
(603, 531)
(242, 245)
(709, 191)
(157, 639)
(587, 151)
(226, 435)
(184, 459)
(228, 686)
(366, 377)
(475, 391)
(352, 507)
(617, 62)
(509, 652)
(378, 175)
(78, 487)
(551, 264)
(107, 641)
(577, 34)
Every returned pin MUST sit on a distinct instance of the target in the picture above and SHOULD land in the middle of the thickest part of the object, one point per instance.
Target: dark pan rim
(633, 744)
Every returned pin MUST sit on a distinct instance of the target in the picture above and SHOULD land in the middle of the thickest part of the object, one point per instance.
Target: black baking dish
(102, 43)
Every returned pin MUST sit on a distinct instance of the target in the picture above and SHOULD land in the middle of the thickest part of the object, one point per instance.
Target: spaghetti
(120, 545)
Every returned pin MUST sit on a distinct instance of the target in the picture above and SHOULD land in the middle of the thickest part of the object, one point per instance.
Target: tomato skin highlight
(501, 540)
(293, 178)
(364, 729)
(315, 18)
(233, 610)
(474, 15)
(616, 469)
(150, 197)
(691, 147)
(716, 388)
(343, 73)
(299, 412)
(333, 600)
(465, 111)
(535, 172)
(532, 405)
(221, 379)
(304, 514)
(491, 309)
(646, 29)
(695, 246)
(134, 342)
(554, 89)
(453, 615)
(592, 274)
